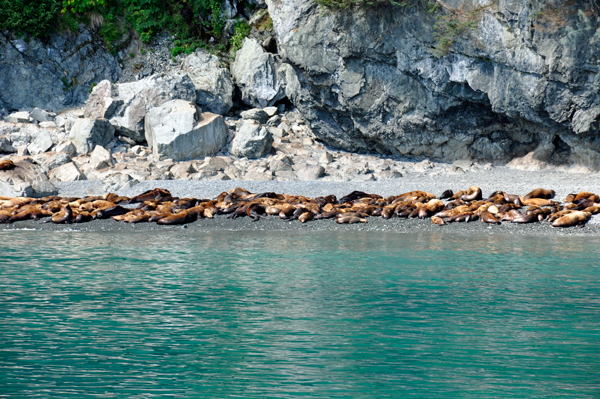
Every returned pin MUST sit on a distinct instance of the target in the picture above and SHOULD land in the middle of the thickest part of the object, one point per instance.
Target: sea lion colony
(160, 206)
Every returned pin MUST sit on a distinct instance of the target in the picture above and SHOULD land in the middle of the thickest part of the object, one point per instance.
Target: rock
(464, 164)
(271, 111)
(310, 173)
(254, 71)
(51, 159)
(503, 88)
(118, 182)
(67, 148)
(6, 145)
(66, 172)
(423, 166)
(101, 158)
(19, 117)
(387, 174)
(87, 133)
(528, 162)
(27, 179)
(281, 163)
(325, 158)
(274, 121)
(50, 125)
(125, 105)
(53, 73)
(258, 176)
(214, 89)
(455, 170)
(276, 132)
(255, 114)
(42, 143)
(182, 169)
(252, 141)
(40, 115)
(179, 131)
(217, 164)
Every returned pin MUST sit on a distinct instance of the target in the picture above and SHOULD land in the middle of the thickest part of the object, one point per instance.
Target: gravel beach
(498, 178)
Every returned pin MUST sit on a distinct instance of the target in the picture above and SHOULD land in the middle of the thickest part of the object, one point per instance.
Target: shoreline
(499, 178)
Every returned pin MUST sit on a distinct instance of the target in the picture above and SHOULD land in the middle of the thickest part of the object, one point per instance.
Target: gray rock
(255, 114)
(67, 148)
(179, 131)
(214, 89)
(67, 172)
(53, 74)
(41, 115)
(310, 172)
(252, 141)
(24, 180)
(255, 73)
(271, 111)
(125, 105)
(19, 117)
(51, 159)
(87, 133)
(6, 145)
(366, 80)
(101, 158)
(325, 158)
(50, 124)
(118, 182)
(281, 163)
(387, 174)
(217, 164)
(41, 143)
(182, 169)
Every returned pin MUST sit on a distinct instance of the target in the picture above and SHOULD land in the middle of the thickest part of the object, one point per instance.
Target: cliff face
(524, 78)
(52, 75)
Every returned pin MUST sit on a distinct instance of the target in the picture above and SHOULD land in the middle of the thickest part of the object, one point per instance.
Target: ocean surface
(281, 315)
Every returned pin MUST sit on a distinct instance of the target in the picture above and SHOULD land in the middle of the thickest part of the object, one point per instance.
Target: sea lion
(437, 220)
(536, 201)
(473, 193)
(576, 218)
(350, 219)
(64, 216)
(7, 164)
(30, 213)
(540, 193)
(487, 217)
(446, 194)
(175, 218)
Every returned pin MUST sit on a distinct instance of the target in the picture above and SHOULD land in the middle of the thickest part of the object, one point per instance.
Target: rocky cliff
(52, 75)
(520, 77)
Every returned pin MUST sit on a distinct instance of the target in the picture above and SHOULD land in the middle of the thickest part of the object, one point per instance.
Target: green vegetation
(240, 31)
(192, 22)
(29, 17)
(451, 26)
(344, 4)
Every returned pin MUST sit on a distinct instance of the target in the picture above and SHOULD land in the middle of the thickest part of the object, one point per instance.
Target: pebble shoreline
(499, 178)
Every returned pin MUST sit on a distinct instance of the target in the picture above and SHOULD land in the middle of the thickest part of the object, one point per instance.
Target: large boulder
(214, 89)
(26, 179)
(87, 133)
(251, 141)
(55, 73)
(180, 131)
(125, 105)
(255, 73)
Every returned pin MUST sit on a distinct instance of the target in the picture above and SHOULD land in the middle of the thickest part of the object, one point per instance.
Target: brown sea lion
(541, 193)
(473, 193)
(487, 217)
(64, 216)
(7, 164)
(175, 218)
(576, 218)
(350, 219)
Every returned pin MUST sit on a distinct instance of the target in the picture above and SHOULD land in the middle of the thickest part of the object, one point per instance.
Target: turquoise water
(330, 315)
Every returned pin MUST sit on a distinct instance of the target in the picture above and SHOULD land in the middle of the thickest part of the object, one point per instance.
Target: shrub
(27, 17)
(240, 31)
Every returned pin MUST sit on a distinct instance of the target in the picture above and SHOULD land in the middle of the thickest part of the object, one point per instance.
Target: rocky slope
(524, 79)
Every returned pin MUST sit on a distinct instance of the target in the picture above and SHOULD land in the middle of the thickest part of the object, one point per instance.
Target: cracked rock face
(525, 79)
(52, 75)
